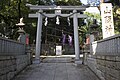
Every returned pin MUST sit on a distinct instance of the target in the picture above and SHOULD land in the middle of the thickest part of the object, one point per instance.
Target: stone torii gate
(57, 10)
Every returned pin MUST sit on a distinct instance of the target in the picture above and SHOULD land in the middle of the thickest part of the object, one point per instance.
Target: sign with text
(58, 50)
(107, 20)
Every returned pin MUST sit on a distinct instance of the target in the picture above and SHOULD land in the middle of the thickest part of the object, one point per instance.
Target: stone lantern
(21, 32)
(93, 30)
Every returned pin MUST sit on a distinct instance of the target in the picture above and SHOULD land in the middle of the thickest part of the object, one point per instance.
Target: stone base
(36, 61)
(78, 62)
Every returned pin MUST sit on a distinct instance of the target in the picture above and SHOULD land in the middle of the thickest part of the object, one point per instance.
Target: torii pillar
(76, 38)
(75, 17)
(38, 38)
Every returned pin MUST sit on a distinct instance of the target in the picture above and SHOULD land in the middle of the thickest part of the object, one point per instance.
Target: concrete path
(56, 68)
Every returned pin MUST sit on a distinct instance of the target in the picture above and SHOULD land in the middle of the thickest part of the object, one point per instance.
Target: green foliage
(68, 2)
(116, 17)
(85, 29)
(12, 10)
(10, 13)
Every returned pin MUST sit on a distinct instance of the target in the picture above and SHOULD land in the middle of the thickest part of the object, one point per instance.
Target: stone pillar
(38, 38)
(76, 39)
(29, 54)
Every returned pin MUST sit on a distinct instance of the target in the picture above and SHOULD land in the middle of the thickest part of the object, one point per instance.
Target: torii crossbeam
(40, 13)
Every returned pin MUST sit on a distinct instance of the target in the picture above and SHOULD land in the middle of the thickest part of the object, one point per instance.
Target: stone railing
(10, 47)
(108, 46)
(14, 57)
(104, 58)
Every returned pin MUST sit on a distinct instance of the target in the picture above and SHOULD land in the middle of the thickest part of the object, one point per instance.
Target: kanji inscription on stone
(107, 20)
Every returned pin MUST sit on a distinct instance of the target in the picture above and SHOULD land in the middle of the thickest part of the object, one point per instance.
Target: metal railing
(11, 47)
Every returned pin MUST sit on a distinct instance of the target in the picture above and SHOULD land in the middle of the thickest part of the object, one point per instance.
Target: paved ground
(56, 68)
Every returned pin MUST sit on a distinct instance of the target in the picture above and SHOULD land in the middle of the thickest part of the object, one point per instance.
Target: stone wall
(104, 58)
(12, 65)
(14, 57)
(11, 47)
(106, 67)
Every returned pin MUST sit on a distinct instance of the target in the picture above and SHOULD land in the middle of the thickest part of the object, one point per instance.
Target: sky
(84, 1)
(90, 9)
(93, 10)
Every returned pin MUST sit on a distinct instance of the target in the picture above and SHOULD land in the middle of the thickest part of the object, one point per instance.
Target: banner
(63, 38)
(70, 40)
(107, 20)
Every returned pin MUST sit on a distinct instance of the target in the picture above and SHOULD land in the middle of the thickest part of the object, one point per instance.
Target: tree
(68, 2)
(116, 15)
(12, 10)
(86, 29)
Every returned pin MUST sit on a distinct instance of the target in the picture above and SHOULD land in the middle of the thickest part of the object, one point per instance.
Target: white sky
(84, 1)
(93, 10)
(90, 9)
